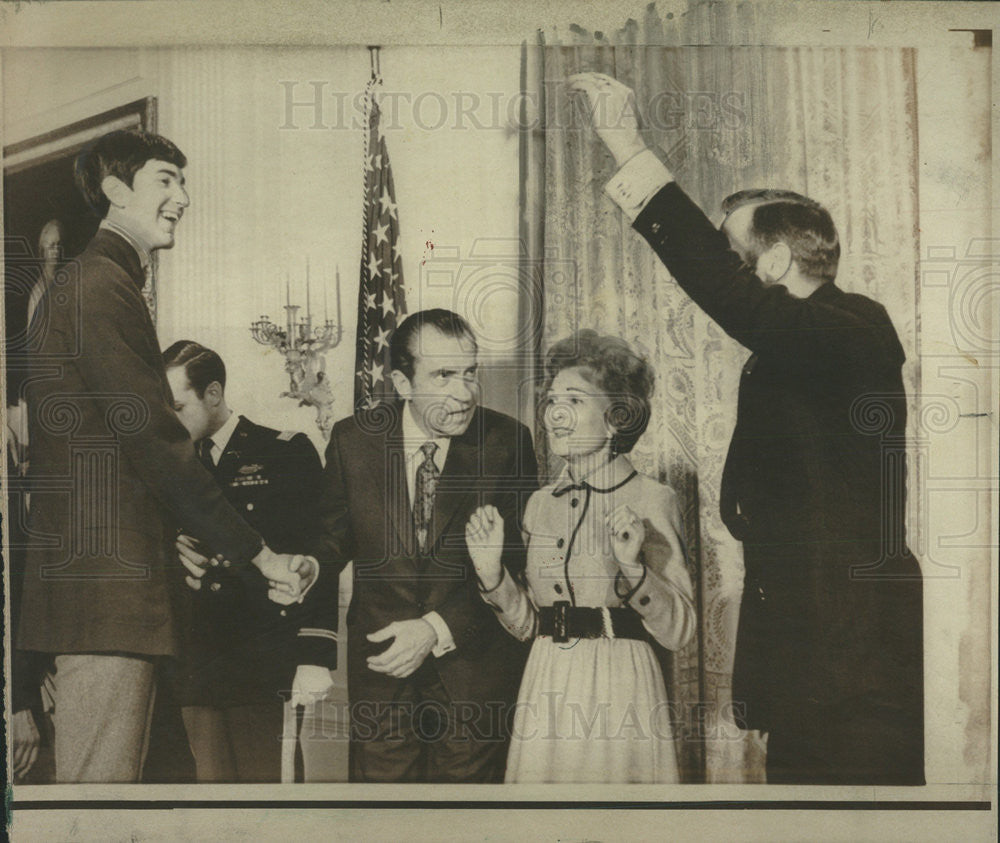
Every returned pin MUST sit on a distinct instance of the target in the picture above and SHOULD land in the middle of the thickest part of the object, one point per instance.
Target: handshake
(289, 576)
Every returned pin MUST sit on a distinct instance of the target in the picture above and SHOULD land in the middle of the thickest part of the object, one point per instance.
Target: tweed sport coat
(112, 472)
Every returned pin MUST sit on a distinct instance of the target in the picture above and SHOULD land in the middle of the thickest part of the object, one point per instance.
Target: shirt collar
(220, 439)
(605, 478)
(414, 437)
(141, 249)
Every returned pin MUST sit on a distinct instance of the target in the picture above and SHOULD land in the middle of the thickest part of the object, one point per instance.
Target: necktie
(205, 453)
(423, 508)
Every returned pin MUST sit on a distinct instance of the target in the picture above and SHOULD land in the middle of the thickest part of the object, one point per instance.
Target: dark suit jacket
(112, 470)
(241, 647)
(814, 484)
(366, 517)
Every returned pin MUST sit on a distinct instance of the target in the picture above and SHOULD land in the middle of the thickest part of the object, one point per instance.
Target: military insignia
(253, 468)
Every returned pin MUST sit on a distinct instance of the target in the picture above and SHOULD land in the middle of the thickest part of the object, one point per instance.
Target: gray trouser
(103, 705)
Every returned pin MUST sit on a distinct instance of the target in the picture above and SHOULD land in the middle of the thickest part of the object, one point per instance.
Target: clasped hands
(289, 576)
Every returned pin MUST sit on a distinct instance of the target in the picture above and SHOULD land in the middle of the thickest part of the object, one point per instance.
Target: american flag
(381, 302)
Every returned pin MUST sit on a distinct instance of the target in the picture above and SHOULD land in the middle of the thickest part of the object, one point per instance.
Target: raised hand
(414, 639)
(484, 539)
(613, 112)
(627, 535)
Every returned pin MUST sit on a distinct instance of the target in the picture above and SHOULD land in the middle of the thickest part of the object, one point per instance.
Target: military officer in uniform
(242, 649)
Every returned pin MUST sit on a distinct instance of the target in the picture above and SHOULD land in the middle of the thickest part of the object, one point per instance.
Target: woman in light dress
(605, 573)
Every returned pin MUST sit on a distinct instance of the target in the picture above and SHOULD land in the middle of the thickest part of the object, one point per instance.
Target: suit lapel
(459, 478)
(388, 462)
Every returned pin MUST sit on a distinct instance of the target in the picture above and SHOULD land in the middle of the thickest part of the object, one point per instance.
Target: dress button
(215, 586)
(249, 507)
(644, 600)
(284, 613)
(574, 502)
(561, 542)
(558, 588)
(226, 563)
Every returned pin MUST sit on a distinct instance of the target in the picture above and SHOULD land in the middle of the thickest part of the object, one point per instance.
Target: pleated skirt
(592, 710)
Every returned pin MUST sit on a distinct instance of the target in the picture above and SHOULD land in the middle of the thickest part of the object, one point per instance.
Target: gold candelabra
(303, 346)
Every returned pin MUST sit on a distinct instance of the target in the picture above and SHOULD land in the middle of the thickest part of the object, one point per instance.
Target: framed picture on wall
(46, 220)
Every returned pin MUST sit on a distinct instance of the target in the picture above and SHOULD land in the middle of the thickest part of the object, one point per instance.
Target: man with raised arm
(829, 652)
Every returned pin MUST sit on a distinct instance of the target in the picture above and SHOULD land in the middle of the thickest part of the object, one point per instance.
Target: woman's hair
(614, 368)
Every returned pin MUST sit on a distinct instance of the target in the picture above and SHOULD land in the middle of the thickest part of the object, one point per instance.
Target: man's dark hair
(201, 365)
(401, 347)
(121, 154)
(617, 371)
(804, 225)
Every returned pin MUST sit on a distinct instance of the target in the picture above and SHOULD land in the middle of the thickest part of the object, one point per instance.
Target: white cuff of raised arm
(639, 180)
(445, 642)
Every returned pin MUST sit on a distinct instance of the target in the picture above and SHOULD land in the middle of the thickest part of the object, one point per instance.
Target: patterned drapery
(837, 124)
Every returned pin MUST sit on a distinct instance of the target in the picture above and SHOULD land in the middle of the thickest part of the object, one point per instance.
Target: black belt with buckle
(563, 621)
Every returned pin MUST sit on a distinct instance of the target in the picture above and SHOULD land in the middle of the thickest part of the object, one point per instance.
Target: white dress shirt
(220, 439)
(413, 438)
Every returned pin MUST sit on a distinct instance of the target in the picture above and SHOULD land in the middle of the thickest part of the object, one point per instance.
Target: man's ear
(116, 190)
(776, 261)
(402, 384)
(214, 393)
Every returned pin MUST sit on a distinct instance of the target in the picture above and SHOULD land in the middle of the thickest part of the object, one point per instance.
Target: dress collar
(605, 478)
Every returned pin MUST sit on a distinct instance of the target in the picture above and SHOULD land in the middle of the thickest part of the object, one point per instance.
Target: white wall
(954, 455)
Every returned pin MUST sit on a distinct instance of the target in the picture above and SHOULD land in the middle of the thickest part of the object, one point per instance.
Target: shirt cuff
(639, 180)
(445, 642)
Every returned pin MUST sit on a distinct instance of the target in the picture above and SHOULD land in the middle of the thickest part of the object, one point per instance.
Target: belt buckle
(607, 627)
(560, 628)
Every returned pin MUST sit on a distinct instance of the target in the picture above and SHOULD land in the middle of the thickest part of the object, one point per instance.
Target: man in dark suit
(431, 673)
(112, 470)
(829, 652)
(242, 651)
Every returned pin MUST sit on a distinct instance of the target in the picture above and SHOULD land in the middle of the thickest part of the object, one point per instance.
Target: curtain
(837, 124)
